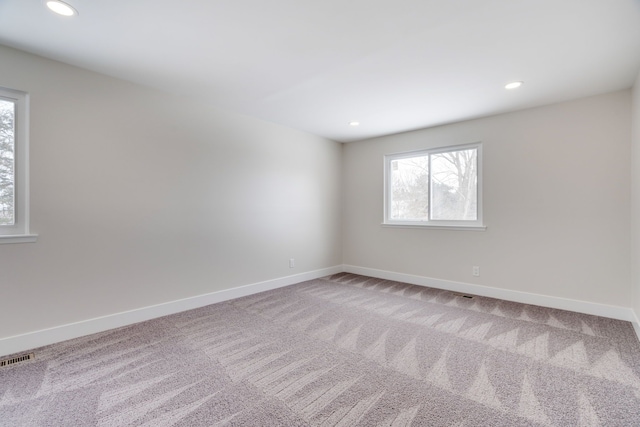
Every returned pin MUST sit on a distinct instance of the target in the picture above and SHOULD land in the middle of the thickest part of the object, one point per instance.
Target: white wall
(140, 198)
(556, 203)
(635, 197)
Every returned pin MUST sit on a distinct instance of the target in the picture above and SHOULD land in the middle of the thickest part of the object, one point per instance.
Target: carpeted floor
(346, 350)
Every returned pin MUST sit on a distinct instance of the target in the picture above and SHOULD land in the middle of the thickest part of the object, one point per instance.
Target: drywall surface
(635, 197)
(141, 198)
(556, 203)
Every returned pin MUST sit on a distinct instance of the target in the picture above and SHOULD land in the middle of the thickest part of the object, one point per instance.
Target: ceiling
(316, 65)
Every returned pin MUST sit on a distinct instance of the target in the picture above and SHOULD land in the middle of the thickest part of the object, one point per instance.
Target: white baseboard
(31, 340)
(610, 311)
(636, 324)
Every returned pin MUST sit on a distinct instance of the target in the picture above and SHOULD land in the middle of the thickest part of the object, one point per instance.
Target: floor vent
(17, 359)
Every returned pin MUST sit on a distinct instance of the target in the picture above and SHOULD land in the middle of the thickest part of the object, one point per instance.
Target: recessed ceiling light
(354, 123)
(61, 8)
(513, 85)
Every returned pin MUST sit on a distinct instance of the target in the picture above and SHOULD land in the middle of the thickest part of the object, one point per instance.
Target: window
(440, 187)
(14, 152)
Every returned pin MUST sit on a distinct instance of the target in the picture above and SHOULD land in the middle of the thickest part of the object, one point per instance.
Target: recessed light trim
(513, 85)
(354, 123)
(61, 8)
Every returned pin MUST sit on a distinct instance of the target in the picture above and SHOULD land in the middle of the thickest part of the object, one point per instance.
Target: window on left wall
(14, 167)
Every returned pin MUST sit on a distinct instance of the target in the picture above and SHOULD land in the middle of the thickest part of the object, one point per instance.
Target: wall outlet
(292, 262)
(475, 271)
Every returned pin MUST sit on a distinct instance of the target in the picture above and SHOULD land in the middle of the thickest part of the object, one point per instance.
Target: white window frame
(476, 225)
(19, 231)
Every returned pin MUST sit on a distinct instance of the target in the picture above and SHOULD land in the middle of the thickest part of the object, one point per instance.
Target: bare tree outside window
(454, 185)
(410, 188)
(7, 162)
(434, 186)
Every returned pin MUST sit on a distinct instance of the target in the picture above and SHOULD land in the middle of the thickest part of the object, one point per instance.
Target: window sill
(438, 227)
(18, 238)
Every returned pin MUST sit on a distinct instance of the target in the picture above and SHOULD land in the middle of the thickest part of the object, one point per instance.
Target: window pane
(7, 149)
(410, 189)
(454, 185)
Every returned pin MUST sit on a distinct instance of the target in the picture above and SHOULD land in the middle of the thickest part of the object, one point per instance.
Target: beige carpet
(341, 351)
